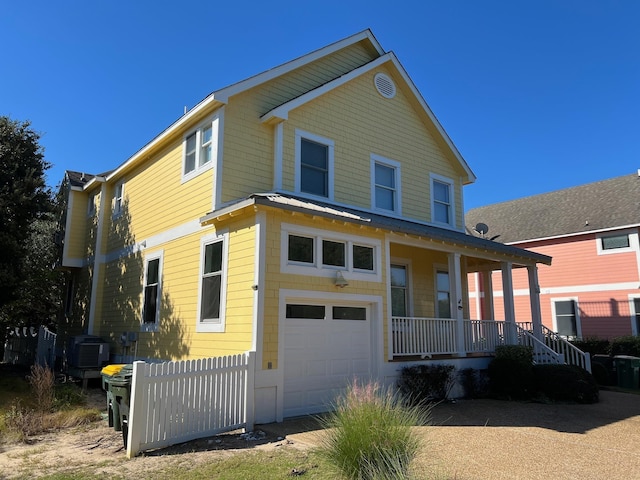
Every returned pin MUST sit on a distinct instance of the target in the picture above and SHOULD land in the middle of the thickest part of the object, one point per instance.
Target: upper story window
(118, 199)
(385, 179)
(618, 242)
(91, 207)
(442, 206)
(198, 150)
(314, 165)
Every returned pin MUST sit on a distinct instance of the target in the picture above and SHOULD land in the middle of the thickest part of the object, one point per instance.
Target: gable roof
(392, 224)
(603, 205)
(221, 96)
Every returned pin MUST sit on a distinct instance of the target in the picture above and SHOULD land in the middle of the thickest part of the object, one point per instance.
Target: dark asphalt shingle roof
(594, 206)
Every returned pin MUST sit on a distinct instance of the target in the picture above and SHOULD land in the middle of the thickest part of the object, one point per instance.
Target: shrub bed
(424, 384)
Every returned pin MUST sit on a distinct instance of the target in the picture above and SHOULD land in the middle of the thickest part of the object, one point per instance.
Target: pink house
(592, 287)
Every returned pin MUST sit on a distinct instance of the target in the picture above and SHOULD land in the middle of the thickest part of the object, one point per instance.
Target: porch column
(455, 284)
(487, 301)
(509, 304)
(534, 298)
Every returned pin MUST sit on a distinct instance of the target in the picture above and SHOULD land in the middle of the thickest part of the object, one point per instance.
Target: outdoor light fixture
(340, 280)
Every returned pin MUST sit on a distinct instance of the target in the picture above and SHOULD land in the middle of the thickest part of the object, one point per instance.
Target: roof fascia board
(222, 96)
(174, 127)
(432, 117)
(251, 82)
(575, 234)
(261, 200)
(282, 112)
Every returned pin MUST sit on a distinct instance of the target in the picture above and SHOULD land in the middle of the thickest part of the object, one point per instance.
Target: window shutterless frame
(442, 200)
(214, 251)
(152, 291)
(386, 191)
(313, 165)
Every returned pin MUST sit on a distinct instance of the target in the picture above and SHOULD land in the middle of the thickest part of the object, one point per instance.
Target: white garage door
(325, 348)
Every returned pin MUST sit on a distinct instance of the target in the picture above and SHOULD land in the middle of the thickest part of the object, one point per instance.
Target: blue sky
(537, 95)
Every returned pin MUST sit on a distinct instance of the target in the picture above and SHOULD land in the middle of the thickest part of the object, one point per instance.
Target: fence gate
(174, 402)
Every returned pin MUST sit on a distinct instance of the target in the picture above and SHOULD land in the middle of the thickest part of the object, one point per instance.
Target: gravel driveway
(489, 439)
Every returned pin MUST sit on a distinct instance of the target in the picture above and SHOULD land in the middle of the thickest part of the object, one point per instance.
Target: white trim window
(198, 150)
(634, 304)
(91, 207)
(622, 241)
(152, 292)
(385, 185)
(399, 279)
(442, 200)
(307, 251)
(118, 199)
(443, 293)
(566, 317)
(213, 280)
(314, 165)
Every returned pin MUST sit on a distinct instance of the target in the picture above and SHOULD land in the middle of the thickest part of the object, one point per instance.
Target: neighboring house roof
(603, 205)
(396, 225)
(78, 179)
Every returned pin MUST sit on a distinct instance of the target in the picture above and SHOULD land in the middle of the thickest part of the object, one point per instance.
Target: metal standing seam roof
(290, 202)
(602, 205)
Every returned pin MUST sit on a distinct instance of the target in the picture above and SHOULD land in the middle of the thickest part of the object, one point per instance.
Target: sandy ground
(469, 440)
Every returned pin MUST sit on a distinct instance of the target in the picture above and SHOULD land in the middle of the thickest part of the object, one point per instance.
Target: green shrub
(425, 384)
(628, 345)
(369, 435)
(511, 372)
(475, 383)
(593, 345)
(565, 383)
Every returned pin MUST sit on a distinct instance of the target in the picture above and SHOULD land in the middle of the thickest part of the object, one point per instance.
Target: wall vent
(384, 85)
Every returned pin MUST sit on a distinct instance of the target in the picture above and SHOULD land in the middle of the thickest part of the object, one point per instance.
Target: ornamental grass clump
(369, 435)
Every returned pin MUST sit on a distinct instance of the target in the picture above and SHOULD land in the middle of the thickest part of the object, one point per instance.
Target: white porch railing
(572, 354)
(425, 337)
(174, 402)
(414, 336)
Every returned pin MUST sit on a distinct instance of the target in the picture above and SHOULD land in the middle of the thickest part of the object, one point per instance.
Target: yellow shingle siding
(248, 144)
(76, 239)
(177, 337)
(278, 280)
(361, 123)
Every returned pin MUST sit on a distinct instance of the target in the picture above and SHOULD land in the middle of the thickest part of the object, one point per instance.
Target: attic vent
(384, 85)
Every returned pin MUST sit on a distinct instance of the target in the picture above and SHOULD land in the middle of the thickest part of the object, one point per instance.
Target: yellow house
(312, 213)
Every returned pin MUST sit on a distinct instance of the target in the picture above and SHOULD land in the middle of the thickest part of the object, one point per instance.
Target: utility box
(628, 369)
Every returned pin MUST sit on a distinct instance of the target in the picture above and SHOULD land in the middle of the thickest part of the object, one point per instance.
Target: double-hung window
(399, 290)
(314, 165)
(566, 318)
(442, 205)
(385, 178)
(198, 150)
(118, 199)
(152, 292)
(443, 294)
(212, 284)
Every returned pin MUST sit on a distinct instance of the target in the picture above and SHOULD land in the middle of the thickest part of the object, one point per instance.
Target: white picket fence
(176, 402)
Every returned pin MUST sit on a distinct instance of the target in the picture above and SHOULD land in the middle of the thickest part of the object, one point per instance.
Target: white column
(534, 298)
(487, 300)
(455, 285)
(509, 304)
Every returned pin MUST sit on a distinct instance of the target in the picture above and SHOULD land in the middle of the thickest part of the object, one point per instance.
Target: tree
(26, 208)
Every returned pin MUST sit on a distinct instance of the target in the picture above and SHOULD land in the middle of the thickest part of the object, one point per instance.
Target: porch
(421, 338)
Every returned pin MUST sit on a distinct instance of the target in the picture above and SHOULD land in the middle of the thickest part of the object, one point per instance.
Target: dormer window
(314, 165)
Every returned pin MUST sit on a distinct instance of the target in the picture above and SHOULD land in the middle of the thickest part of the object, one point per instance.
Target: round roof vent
(384, 85)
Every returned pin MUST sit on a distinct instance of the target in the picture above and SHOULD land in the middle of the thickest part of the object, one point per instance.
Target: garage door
(325, 347)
